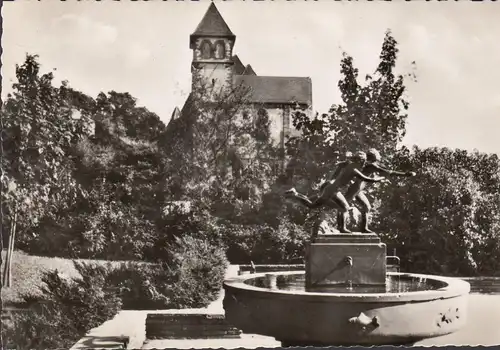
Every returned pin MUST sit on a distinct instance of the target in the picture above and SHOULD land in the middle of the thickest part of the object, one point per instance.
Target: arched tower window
(206, 49)
(220, 49)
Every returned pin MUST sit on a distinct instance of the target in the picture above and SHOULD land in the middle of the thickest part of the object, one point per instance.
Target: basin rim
(455, 287)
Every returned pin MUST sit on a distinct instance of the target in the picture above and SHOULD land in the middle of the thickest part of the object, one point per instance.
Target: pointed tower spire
(212, 25)
(175, 114)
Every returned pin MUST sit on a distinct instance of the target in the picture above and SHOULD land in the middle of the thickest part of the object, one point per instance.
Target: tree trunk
(13, 240)
(7, 276)
(6, 263)
(1, 262)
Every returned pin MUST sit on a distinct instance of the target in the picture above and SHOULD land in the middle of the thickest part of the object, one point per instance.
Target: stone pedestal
(354, 258)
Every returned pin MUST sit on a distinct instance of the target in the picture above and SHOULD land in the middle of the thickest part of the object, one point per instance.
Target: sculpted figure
(356, 190)
(330, 192)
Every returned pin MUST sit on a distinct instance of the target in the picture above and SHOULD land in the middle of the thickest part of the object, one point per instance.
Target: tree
(120, 168)
(452, 206)
(440, 222)
(485, 168)
(40, 126)
(372, 114)
(219, 151)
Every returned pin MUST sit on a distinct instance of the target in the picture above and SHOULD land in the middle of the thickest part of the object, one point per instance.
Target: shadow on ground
(102, 342)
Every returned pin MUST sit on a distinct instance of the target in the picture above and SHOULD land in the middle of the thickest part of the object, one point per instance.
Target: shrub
(440, 211)
(142, 286)
(264, 244)
(71, 306)
(199, 271)
(177, 223)
(191, 275)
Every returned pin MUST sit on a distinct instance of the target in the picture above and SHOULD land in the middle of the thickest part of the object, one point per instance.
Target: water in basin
(394, 284)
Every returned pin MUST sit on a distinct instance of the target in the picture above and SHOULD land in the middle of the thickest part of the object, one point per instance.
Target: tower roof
(212, 24)
(175, 114)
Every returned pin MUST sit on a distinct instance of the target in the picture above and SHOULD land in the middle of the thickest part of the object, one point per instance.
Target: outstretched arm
(386, 172)
(366, 178)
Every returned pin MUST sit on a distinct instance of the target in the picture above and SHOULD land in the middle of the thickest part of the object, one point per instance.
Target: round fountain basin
(409, 308)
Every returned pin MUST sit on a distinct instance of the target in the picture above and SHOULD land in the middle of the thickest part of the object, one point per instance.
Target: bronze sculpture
(354, 172)
(330, 192)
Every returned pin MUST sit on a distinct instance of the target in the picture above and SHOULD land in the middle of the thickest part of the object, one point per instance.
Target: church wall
(216, 75)
(276, 127)
(212, 58)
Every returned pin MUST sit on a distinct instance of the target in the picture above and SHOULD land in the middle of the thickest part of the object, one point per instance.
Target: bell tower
(212, 44)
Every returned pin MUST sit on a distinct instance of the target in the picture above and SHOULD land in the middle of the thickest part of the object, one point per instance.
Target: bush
(111, 231)
(142, 286)
(191, 276)
(440, 211)
(196, 223)
(71, 306)
(199, 272)
(264, 244)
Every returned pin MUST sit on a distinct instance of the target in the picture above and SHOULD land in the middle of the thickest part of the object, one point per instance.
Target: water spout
(348, 261)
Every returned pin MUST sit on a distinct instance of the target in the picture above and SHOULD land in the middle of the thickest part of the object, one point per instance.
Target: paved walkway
(132, 324)
(483, 324)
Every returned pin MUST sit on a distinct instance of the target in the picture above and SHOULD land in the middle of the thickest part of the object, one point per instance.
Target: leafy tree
(485, 168)
(219, 150)
(80, 176)
(439, 211)
(452, 206)
(40, 126)
(370, 115)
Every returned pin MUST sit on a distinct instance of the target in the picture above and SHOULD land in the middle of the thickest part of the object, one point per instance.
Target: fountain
(345, 297)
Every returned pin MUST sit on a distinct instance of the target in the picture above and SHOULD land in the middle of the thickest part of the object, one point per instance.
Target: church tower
(212, 44)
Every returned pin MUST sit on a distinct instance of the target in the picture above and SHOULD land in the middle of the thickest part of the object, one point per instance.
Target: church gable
(240, 69)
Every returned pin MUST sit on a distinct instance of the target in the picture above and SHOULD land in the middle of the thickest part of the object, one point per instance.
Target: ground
(482, 327)
(27, 271)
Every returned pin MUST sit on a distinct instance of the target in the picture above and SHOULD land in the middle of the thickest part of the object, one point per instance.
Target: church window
(220, 49)
(206, 49)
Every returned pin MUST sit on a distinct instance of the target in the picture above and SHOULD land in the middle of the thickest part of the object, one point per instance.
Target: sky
(143, 48)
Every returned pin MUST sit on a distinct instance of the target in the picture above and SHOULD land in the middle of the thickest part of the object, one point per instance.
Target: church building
(215, 61)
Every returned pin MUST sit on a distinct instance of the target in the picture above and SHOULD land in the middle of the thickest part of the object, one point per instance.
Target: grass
(27, 271)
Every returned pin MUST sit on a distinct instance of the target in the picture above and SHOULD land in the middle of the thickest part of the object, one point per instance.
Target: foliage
(196, 222)
(264, 244)
(219, 150)
(141, 286)
(72, 306)
(190, 276)
(28, 270)
(82, 177)
(370, 115)
(199, 271)
(445, 211)
(40, 127)
(484, 168)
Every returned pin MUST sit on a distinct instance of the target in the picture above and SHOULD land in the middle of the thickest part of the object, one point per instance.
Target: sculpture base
(327, 260)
